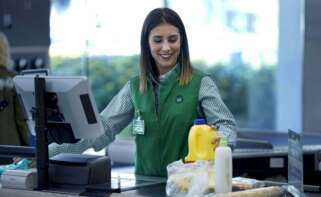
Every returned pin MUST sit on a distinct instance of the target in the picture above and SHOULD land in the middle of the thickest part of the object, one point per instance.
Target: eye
(173, 39)
(157, 39)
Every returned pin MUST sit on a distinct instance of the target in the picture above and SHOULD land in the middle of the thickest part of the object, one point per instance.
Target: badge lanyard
(138, 124)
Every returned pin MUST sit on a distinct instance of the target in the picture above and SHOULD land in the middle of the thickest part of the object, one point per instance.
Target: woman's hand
(216, 141)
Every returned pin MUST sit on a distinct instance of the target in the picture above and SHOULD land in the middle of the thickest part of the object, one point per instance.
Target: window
(233, 40)
(99, 39)
(236, 42)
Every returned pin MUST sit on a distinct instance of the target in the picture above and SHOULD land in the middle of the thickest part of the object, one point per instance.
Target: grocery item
(223, 168)
(200, 138)
(190, 179)
(243, 183)
(273, 191)
(197, 179)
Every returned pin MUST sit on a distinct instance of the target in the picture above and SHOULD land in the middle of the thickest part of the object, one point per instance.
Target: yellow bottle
(200, 138)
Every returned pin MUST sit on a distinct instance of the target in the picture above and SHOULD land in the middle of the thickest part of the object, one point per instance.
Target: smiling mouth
(165, 56)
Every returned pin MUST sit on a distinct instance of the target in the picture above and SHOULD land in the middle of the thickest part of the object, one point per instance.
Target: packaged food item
(190, 179)
(200, 138)
(242, 183)
(273, 191)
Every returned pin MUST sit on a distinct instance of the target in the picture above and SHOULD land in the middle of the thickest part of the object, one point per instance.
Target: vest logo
(179, 99)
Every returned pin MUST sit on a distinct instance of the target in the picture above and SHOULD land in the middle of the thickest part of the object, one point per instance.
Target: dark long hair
(148, 68)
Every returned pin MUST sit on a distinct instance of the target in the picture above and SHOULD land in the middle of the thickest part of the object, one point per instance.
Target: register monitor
(69, 102)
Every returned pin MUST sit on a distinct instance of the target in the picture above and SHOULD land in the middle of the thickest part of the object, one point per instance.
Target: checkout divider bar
(17, 151)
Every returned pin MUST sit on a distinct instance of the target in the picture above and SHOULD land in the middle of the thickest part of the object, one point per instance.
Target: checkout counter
(127, 184)
(76, 175)
(124, 184)
(157, 190)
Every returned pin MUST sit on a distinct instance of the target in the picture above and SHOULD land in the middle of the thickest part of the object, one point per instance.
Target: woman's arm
(215, 110)
(116, 116)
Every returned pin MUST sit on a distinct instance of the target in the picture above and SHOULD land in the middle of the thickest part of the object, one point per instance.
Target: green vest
(166, 132)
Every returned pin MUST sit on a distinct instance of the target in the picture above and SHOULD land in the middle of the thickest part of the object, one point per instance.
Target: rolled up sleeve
(115, 117)
(215, 111)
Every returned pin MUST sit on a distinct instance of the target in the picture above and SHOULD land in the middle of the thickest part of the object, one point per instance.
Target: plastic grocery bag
(190, 179)
(21, 165)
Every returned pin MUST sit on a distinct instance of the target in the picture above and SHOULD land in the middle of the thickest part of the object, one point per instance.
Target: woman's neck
(167, 71)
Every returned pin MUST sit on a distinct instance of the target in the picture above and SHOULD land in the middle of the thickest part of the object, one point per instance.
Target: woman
(163, 101)
(13, 128)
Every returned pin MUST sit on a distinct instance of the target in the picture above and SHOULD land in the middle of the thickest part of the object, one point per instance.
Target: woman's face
(165, 43)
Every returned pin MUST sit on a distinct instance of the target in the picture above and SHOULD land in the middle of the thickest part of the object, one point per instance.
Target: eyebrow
(173, 35)
(160, 36)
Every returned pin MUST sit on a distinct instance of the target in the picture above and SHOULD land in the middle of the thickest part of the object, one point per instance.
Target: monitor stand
(42, 155)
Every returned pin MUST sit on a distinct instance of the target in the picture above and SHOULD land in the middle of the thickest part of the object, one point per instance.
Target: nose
(165, 46)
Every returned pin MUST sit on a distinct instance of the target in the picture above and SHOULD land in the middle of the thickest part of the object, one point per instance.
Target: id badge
(138, 125)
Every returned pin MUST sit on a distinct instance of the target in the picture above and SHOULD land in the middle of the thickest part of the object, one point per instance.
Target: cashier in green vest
(162, 102)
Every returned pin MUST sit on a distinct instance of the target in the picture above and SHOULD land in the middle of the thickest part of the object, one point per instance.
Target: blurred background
(263, 55)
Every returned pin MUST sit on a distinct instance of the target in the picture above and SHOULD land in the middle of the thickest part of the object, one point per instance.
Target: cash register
(62, 109)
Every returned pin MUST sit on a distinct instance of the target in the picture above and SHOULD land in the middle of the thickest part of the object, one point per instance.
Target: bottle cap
(199, 121)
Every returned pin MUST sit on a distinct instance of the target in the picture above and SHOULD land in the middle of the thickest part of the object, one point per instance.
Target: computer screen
(70, 105)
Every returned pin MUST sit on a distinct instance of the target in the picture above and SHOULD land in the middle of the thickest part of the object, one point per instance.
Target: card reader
(79, 169)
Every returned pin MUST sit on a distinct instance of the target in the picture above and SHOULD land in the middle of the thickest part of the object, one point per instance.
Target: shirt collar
(165, 76)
